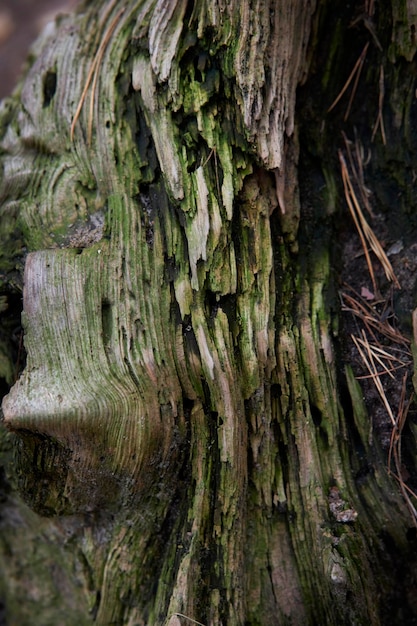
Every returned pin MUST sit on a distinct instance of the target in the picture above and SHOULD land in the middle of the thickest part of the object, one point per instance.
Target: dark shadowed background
(20, 23)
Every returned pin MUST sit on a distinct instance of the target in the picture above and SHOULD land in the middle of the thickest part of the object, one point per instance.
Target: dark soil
(392, 306)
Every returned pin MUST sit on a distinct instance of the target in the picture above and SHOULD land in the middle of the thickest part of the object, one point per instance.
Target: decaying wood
(180, 397)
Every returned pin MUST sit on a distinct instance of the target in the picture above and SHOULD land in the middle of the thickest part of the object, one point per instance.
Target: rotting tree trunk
(184, 415)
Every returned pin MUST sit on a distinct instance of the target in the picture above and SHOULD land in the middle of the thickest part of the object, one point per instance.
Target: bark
(184, 417)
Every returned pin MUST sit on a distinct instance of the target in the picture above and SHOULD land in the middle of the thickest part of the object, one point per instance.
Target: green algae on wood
(181, 390)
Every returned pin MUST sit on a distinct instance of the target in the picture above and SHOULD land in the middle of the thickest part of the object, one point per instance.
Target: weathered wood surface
(179, 408)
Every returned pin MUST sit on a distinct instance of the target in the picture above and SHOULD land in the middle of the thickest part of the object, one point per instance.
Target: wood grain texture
(181, 389)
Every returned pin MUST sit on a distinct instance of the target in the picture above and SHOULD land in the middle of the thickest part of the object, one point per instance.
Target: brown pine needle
(81, 101)
(359, 176)
(369, 7)
(349, 195)
(378, 360)
(380, 120)
(355, 72)
(373, 320)
(381, 356)
(93, 75)
(89, 77)
(365, 232)
(395, 449)
(213, 152)
(369, 354)
(368, 359)
(355, 84)
(404, 489)
(388, 370)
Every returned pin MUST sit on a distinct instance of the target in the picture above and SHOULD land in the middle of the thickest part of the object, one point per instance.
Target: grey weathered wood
(178, 351)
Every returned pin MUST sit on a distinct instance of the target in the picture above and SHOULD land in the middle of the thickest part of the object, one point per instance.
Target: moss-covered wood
(184, 417)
